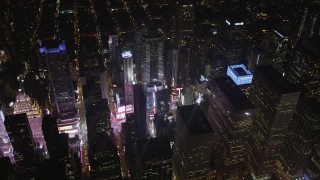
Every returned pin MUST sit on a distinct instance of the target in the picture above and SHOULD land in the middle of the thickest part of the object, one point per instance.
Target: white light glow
(126, 54)
(239, 24)
(279, 34)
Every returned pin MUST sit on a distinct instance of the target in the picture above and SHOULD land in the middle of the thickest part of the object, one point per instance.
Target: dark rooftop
(234, 94)
(51, 43)
(195, 119)
(235, 17)
(313, 104)
(240, 71)
(153, 33)
(103, 143)
(275, 80)
(154, 148)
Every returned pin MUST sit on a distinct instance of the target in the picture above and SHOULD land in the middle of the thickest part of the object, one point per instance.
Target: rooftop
(274, 79)
(195, 120)
(51, 43)
(154, 147)
(103, 143)
(313, 104)
(234, 94)
(235, 18)
(240, 70)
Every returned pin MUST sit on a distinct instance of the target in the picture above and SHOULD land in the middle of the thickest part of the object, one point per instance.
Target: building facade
(104, 159)
(193, 144)
(275, 100)
(230, 115)
(24, 104)
(153, 62)
(153, 159)
(302, 139)
(61, 87)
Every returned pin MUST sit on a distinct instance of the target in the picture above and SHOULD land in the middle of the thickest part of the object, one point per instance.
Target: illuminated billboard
(239, 74)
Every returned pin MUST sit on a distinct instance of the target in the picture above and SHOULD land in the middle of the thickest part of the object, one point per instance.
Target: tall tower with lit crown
(24, 104)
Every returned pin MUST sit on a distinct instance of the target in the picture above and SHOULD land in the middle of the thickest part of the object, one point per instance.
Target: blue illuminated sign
(61, 48)
(239, 74)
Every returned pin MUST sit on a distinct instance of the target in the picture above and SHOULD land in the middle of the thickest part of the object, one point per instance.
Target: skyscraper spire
(24, 104)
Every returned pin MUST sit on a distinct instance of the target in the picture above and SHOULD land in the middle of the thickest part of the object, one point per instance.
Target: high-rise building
(114, 50)
(24, 104)
(6, 148)
(193, 143)
(151, 105)
(219, 66)
(302, 138)
(153, 159)
(309, 21)
(129, 78)
(179, 63)
(20, 135)
(184, 22)
(94, 81)
(276, 45)
(171, 67)
(4, 58)
(139, 99)
(56, 144)
(313, 169)
(104, 158)
(232, 39)
(257, 57)
(138, 52)
(188, 95)
(7, 169)
(61, 87)
(153, 62)
(127, 66)
(304, 67)
(52, 169)
(200, 49)
(275, 100)
(230, 115)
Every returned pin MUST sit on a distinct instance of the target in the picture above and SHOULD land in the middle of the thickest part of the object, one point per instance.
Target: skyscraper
(179, 63)
(94, 86)
(309, 20)
(114, 50)
(138, 52)
(313, 169)
(7, 169)
(104, 158)
(153, 63)
(275, 100)
(302, 139)
(139, 99)
(6, 148)
(57, 143)
(232, 39)
(153, 159)
(304, 67)
(127, 66)
(20, 135)
(276, 45)
(61, 88)
(184, 22)
(24, 104)
(193, 144)
(230, 115)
